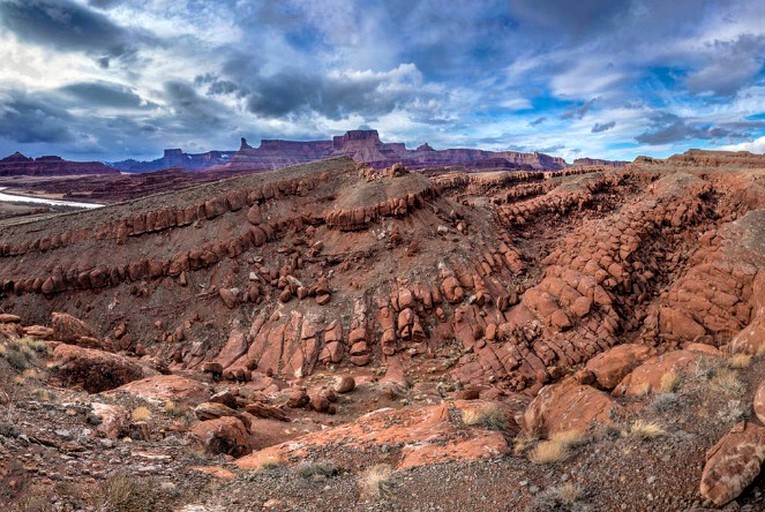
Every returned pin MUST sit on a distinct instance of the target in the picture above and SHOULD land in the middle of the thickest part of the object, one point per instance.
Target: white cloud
(754, 146)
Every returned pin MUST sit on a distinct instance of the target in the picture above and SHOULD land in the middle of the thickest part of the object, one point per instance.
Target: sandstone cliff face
(19, 165)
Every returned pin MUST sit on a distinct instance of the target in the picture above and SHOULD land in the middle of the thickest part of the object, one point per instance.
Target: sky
(113, 79)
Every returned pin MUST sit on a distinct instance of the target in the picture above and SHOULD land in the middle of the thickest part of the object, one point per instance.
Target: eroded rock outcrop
(733, 463)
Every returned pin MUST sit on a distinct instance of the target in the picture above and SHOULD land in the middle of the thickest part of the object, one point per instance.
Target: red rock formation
(18, 165)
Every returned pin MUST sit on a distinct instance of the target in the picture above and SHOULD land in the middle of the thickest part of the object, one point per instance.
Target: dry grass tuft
(141, 414)
(739, 361)
(669, 382)
(557, 448)
(374, 480)
(570, 438)
(522, 442)
(548, 452)
(489, 416)
(727, 380)
(642, 390)
(171, 408)
(642, 430)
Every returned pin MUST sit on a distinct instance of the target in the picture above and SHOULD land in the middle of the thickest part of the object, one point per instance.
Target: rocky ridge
(480, 307)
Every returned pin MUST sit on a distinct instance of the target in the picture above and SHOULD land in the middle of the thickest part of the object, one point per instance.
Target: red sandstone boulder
(565, 406)
(69, 329)
(115, 419)
(213, 410)
(7, 318)
(652, 375)
(345, 384)
(226, 435)
(611, 366)
(94, 370)
(39, 332)
(228, 297)
(167, 387)
(751, 339)
(733, 463)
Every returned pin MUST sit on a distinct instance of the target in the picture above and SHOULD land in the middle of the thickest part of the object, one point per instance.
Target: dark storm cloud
(191, 108)
(105, 94)
(104, 4)
(25, 119)
(668, 128)
(335, 97)
(215, 86)
(584, 19)
(578, 112)
(730, 65)
(603, 127)
(64, 25)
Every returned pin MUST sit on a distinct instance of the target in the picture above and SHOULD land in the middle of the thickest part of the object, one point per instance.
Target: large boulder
(94, 370)
(427, 435)
(649, 377)
(69, 329)
(565, 406)
(114, 419)
(733, 463)
(751, 339)
(611, 366)
(213, 410)
(160, 388)
(226, 435)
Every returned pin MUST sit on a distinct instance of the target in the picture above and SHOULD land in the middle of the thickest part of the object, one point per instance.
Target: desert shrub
(21, 354)
(375, 480)
(727, 380)
(733, 412)
(128, 493)
(141, 414)
(565, 498)
(666, 402)
(706, 367)
(317, 469)
(18, 360)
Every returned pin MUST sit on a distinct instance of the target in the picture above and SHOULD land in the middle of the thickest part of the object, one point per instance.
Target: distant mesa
(20, 165)
(363, 146)
(595, 162)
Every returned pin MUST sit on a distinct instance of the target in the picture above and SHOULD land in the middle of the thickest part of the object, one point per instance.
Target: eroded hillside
(480, 287)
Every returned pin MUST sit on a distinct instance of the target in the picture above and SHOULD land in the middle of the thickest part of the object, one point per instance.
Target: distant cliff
(20, 165)
(365, 146)
(597, 162)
